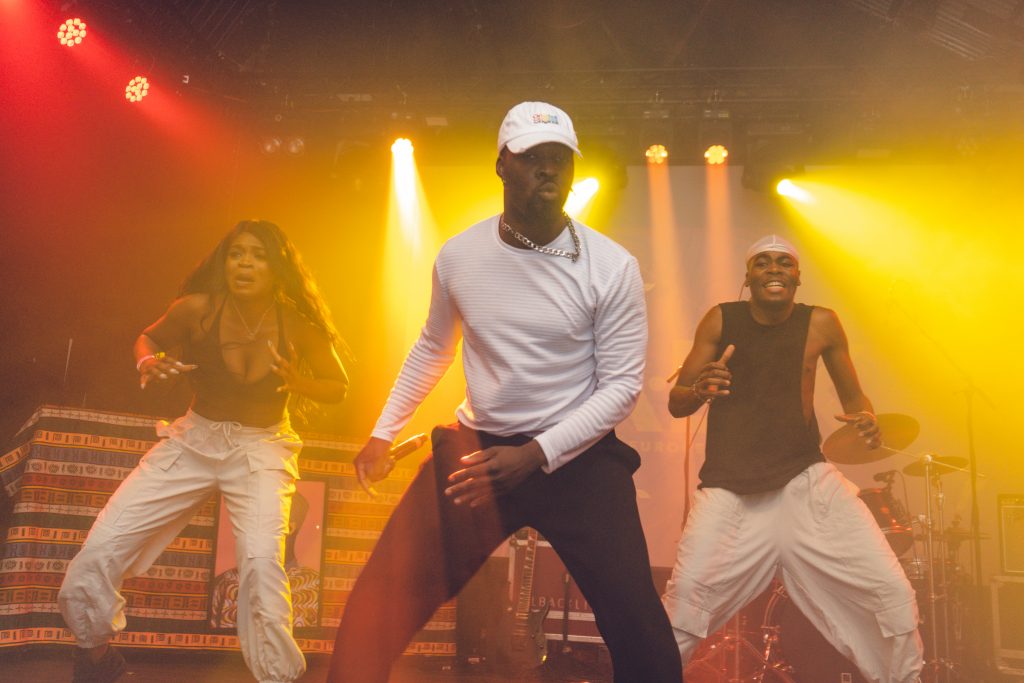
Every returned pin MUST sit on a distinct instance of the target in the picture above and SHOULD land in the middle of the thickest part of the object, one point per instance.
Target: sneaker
(107, 670)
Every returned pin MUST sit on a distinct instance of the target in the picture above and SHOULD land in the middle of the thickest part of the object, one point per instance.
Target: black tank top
(219, 392)
(757, 436)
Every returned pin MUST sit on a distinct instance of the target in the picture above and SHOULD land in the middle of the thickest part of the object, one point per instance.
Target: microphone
(886, 476)
(408, 446)
(394, 455)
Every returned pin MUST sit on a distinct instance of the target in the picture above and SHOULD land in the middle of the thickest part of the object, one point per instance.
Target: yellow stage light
(787, 188)
(716, 154)
(656, 154)
(582, 193)
(402, 146)
(404, 187)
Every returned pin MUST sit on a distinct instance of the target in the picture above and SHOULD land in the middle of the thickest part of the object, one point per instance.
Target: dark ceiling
(841, 75)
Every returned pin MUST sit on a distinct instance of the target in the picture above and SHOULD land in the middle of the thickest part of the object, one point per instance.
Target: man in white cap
(768, 502)
(553, 323)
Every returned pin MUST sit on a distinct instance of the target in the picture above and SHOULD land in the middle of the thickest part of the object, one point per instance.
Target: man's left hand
(867, 426)
(493, 471)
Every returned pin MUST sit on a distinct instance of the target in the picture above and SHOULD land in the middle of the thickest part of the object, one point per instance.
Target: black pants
(430, 548)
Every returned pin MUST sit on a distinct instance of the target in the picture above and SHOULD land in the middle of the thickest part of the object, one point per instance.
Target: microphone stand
(973, 466)
(969, 391)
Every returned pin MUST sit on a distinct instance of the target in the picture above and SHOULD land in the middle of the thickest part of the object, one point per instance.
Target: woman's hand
(160, 367)
(286, 368)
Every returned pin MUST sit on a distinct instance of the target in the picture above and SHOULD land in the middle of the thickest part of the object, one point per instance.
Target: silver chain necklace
(547, 250)
(249, 332)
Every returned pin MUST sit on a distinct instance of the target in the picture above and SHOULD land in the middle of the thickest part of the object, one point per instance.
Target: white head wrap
(771, 243)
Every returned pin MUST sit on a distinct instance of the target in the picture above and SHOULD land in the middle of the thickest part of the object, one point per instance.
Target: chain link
(551, 251)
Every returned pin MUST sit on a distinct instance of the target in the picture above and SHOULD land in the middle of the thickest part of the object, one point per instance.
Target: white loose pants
(255, 471)
(835, 562)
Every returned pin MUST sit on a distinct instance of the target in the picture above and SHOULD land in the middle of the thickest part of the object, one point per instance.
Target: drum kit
(786, 648)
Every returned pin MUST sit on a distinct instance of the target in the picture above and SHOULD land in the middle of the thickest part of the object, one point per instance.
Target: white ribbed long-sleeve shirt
(552, 349)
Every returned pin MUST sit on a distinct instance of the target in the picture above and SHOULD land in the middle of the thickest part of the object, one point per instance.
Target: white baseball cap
(533, 123)
(772, 243)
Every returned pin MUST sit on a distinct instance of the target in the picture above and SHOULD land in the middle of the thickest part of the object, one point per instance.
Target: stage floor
(46, 664)
(52, 665)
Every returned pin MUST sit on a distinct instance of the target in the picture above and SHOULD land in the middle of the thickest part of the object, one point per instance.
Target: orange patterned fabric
(63, 466)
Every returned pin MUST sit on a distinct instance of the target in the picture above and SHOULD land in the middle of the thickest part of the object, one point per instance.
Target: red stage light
(136, 89)
(71, 32)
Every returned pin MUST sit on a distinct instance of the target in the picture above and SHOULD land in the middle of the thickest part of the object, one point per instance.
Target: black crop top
(220, 395)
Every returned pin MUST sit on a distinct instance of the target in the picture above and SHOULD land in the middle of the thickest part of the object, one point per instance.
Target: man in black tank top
(768, 502)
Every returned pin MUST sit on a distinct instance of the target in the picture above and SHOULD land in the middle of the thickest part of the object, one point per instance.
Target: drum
(736, 651)
(717, 661)
(916, 569)
(810, 658)
(891, 518)
(721, 671)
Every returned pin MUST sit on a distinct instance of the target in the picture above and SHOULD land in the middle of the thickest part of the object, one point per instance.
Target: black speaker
(479, 608)
(1011, 533)
(1008, 623)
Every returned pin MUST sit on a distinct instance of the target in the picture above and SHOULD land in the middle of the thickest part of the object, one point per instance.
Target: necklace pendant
(251, 333)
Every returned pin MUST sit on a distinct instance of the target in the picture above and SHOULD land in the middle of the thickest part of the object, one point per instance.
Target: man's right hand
(373, 462)
(715, 377)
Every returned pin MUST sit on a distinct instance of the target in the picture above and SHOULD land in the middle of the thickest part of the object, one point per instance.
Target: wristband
(138, 364)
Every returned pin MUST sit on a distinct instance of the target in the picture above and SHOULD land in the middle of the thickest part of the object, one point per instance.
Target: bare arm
(328, 383)
(168, 332)
(835, 352)
(701, 375)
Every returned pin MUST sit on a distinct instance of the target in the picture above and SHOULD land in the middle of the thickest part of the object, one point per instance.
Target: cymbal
(941, 464)
(846, 446)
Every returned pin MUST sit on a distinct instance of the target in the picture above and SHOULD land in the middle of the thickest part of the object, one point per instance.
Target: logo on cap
(545, 118)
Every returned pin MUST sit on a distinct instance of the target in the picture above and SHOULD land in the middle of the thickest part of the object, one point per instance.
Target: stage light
(71, 32)
(716, 154)
(787, 188)
(582, 193)
(136, 89)
(770, 160)
(295, 146)
(656, 154)
(271, 144)
(404, 185)
(715, 131)
(402, 147)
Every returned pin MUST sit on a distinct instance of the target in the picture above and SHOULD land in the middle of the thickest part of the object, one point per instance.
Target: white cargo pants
(835, 562)
(255, 470)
